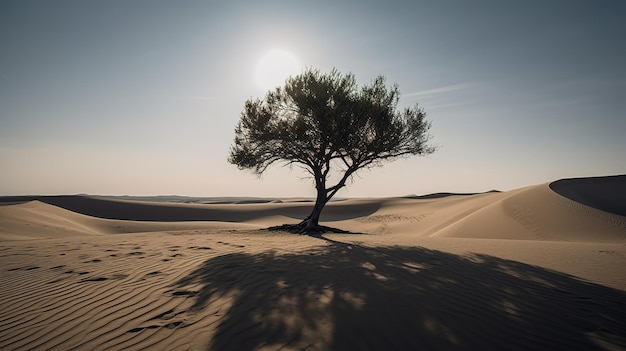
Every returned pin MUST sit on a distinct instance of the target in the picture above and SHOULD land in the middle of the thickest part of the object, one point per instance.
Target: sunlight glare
(274, 67)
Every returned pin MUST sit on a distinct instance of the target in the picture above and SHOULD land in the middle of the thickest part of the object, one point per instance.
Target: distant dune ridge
(538, 268)
(604, 193)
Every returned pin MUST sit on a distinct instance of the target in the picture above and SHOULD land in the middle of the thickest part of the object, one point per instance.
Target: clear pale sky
(141, 97)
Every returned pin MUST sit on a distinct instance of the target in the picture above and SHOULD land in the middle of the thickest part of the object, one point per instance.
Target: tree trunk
(311, 223)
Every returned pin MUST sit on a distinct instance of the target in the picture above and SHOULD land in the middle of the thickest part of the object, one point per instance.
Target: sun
(274, 67)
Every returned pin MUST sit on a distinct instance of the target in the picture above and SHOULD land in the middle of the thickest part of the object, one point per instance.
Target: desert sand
(537, 268)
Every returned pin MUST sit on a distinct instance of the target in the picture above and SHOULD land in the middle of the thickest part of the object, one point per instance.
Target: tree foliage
(323, 122)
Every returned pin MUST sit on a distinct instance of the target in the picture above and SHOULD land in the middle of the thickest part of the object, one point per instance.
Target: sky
(137, 97)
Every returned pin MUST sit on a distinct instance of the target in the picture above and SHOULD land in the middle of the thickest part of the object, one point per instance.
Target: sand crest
(531, 268)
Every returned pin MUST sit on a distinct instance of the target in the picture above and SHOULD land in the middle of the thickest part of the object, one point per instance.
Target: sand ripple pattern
(188, 291)
(114, 293)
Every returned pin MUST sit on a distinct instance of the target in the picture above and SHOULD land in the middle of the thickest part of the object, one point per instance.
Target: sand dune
(176, 212)
(537, 213)
(37, 220)
(536, 268)
(532, 213)
(603, 193)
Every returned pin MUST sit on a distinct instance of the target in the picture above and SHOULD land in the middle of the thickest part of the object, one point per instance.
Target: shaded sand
(519, 270)
(604, 193)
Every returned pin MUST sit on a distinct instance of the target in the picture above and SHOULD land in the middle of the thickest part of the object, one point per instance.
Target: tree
(326, 121)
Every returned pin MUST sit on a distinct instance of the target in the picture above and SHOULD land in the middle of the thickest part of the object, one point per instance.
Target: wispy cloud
(440, 90)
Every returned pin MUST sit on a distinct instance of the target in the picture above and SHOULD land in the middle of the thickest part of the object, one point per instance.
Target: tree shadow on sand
(350, 297)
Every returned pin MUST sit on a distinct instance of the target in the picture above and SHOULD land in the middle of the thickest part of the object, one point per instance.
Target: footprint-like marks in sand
(231, 245)
(165, 316)
(138, 254)
(27, 268)
(173, 249)
(169, 314)
(70, 271)
(134, 253)
(96, 260)
(168, 326)
(94, 279)
(151, 274)
(97, 278)
(64, 269)
(102, 278)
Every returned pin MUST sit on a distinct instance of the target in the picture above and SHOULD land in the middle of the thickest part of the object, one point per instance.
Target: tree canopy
(323, 122)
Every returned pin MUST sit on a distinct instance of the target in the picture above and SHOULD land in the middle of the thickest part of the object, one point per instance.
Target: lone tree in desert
(329, 126)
